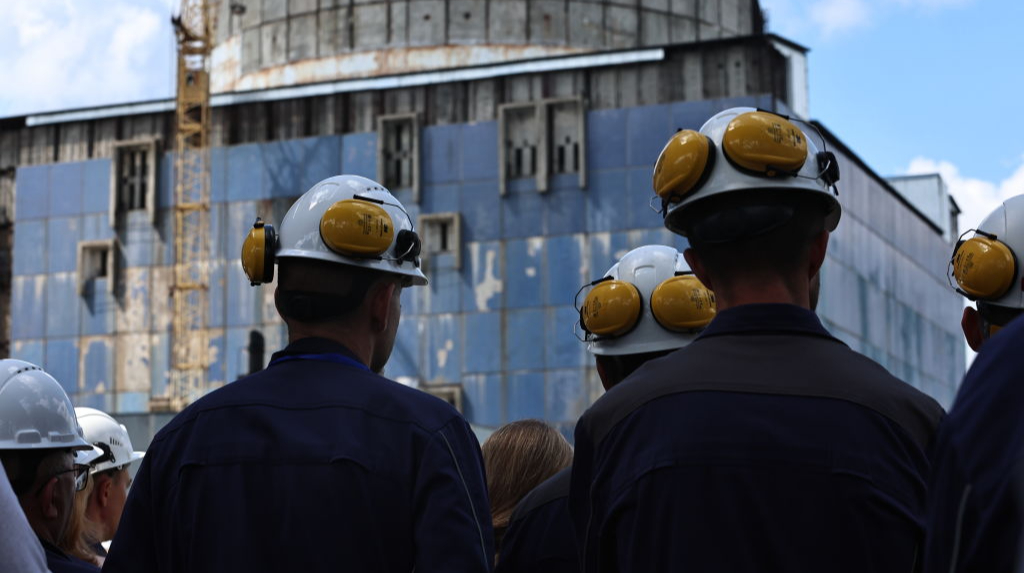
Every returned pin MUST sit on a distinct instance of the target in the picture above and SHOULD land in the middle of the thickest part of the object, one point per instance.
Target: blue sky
(916, 86)
(912, 86)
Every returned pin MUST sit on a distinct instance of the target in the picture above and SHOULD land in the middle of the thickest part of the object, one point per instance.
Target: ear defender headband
(359, 227)
(258, 253)
(983, 266)
(613, 307)
(758, 143)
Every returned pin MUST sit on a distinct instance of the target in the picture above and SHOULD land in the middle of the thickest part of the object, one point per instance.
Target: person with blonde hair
(97, 510)
(517, 458)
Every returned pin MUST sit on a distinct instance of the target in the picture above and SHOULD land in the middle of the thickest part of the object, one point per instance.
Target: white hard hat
(109, 437)
(743, 149)
(987, 266)
(344, 219)
(88, 457)
(647, 302)
(35, 412)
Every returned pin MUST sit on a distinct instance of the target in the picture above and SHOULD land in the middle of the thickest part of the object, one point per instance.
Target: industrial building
(521, 134)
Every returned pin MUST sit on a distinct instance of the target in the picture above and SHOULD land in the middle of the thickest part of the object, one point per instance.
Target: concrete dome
(270, 43)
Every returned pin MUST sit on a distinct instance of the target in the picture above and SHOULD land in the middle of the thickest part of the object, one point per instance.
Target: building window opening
(95, 262)
(133, 178)
(398, 152)
(441, 236)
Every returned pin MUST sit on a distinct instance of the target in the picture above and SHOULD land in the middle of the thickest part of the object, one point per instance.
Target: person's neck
(359, 344)
(760, 292)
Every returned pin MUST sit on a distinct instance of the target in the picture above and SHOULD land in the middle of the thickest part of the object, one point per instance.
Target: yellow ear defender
(756, 142)
(682, 303)
(765, 143)
(679, 304)
(611, 308)
(357, 227)
(983, 266)
(683, 165)
(258, 253)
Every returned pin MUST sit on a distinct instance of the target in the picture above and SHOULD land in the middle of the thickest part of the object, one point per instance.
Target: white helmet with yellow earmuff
(345, 219)
(986, 267)
(743, 149)
(647, 302)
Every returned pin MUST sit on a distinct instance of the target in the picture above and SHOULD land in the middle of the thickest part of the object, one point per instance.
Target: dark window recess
(257, 348)
(133, 175)
(522, 160)
(567, 156)
(443, 237)
(100, 261)
(398, 154)
(565, 132)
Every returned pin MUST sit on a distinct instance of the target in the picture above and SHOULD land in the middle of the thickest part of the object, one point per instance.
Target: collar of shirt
(765, 318)
(314, 346)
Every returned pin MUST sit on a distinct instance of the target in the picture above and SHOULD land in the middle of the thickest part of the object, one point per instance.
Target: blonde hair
(517, 458)
(82, 533)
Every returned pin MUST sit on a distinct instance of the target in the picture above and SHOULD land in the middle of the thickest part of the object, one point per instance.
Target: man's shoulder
(356, 393)
(786, 365)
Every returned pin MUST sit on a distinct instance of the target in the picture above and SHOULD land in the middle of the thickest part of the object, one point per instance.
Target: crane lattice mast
(190, 288)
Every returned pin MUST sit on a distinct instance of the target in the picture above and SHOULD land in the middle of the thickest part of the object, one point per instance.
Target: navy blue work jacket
(540, 538)
(59, 562)
(766, 445)
(977, 485)
(314, 464)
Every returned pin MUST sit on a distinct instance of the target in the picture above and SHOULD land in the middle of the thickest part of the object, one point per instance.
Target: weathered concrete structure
(528, 177)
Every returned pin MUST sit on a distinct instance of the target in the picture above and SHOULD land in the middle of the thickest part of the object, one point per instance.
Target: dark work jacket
(540, 536)
(314, 464)
(974, 519)
(765, 445)
(59, 562)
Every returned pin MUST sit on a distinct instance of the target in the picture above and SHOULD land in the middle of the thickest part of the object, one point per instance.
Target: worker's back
(776, 449)
(310, 465)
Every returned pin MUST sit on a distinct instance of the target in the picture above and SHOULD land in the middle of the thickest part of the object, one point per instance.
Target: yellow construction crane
(190, 287)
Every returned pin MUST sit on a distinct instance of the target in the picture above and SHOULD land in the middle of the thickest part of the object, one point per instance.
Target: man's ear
(47, 499)
(973, 328)
(101, 489)
(819, 245)
(380, 304)
(697, 266)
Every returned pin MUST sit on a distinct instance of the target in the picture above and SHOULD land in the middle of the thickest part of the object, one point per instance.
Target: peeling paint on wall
(490, 284)
(132, 362)
(442, 352)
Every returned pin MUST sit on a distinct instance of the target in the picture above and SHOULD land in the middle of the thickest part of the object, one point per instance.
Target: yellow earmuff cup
(682, 304)
(611, 308)
(681, 165)
(255, 249)
(765, 143)
(357, 228)
(984, 268)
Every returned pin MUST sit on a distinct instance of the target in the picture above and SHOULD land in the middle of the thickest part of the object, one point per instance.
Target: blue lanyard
(326, 357)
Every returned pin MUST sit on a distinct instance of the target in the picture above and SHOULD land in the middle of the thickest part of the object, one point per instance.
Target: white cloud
(976, 198)
(935, 3)
(833, 16)
(62, 54)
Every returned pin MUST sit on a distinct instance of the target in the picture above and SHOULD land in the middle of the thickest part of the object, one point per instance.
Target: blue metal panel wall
(502, 324)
